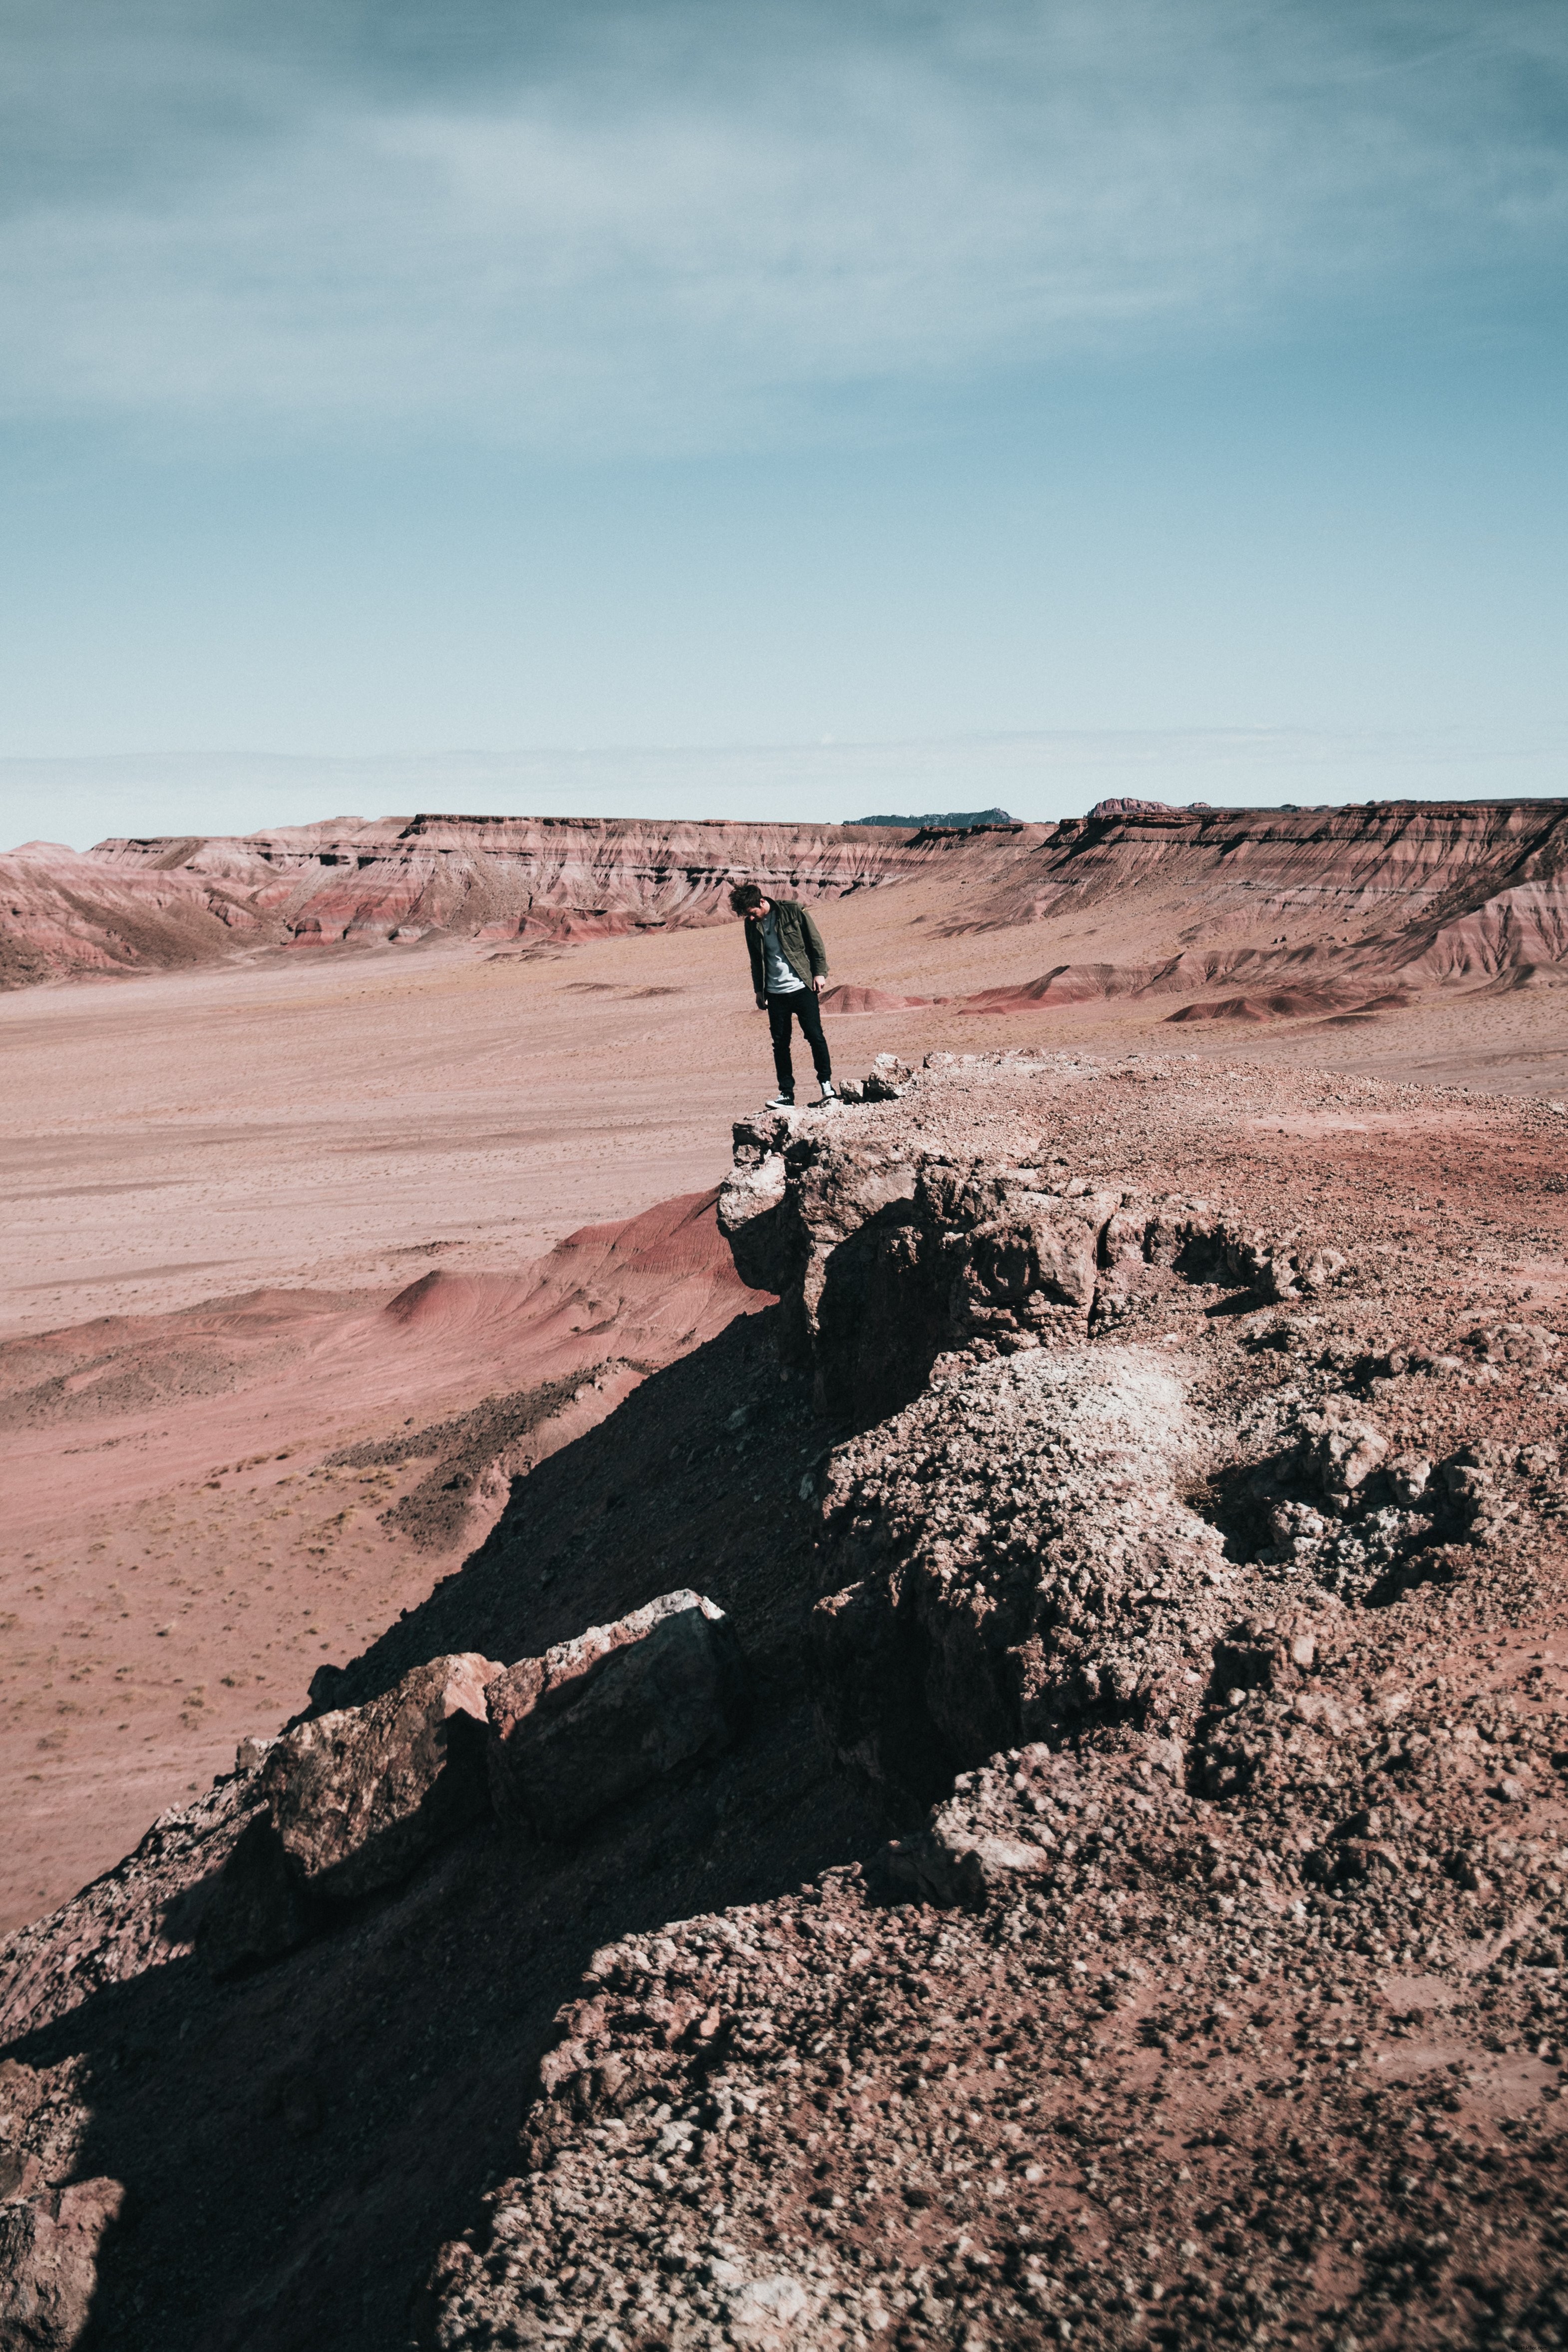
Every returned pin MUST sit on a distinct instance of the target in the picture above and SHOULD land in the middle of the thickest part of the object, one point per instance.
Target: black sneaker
(780, 1102)
(829, 1093)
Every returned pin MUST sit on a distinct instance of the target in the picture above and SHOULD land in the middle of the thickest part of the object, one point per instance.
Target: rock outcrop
(48, 2265)
(1222, 1932)
(1195, 1621)
(886, 1259)
(351, 1803)
(1010, 1560)
(597, 1718)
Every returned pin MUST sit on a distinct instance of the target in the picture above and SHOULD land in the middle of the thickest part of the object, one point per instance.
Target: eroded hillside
(1239, 914)
(159, 904)
(1120, 1899)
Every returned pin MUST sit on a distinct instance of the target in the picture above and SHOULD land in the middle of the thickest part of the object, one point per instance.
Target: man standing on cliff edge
(789, 969)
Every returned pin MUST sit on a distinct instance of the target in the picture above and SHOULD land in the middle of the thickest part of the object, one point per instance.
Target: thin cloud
(690, 228)
(1039, 776)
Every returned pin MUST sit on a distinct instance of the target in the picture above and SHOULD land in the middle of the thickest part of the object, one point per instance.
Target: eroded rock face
(359, 1796)
(1010, 1556)
(48, 2265)
(597, 1718)
(1011, 1560)
(351, 1803)
(885, 1259)
(1474, 891)
(168, 902)
(1220, 1992)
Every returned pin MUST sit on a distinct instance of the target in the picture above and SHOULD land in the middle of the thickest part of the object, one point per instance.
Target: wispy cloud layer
(1039, 777)
(685, 227)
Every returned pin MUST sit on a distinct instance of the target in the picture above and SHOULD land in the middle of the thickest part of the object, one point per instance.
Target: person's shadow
(296, 2146)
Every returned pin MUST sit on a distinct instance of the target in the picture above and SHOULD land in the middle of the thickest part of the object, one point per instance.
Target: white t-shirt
(782, 978)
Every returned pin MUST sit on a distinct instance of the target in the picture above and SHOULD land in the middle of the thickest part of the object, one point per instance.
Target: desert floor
(216, 1183)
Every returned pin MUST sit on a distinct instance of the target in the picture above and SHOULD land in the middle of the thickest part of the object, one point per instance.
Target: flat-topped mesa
(1277, 903)
(885, 1257)
(508, 877)
(1435, 891)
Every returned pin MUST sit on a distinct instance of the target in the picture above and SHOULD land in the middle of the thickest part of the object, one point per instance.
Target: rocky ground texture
(1045, 1797)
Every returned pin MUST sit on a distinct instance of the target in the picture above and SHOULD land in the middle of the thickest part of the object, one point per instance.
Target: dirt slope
(208, 1507)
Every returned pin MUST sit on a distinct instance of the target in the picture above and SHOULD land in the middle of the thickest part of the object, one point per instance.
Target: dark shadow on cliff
(296, 2146)
(694, 1480)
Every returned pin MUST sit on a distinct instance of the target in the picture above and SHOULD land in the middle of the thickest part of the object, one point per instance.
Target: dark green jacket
(800, 943)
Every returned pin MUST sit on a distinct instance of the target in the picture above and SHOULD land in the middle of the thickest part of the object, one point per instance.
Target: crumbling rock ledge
(885, 1257)
(580, 1727)
(1212, 1990)
(1010, 1560)
(1196, 1608)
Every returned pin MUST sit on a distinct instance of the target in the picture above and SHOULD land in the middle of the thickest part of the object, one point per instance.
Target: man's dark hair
(745, 896)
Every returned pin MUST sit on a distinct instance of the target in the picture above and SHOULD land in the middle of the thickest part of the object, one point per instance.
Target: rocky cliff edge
(1127, 1905)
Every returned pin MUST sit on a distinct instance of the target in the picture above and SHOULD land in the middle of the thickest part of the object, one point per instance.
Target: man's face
(754, 913)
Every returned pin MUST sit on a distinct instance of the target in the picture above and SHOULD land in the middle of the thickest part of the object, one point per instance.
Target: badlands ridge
(1271, 912)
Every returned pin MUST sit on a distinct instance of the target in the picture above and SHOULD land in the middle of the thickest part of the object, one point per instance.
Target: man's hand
(820, 982)
(762, 1004)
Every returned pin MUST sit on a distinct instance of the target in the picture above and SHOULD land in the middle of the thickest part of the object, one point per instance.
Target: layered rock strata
(1283, 912)
(161, 903)
(1432, 890)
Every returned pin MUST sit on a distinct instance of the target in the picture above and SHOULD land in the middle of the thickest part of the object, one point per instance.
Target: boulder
(350, 1802)
(1337, 1452)
(48, 2266)
(598, 1717)
(359, 1796)
(887, 1079)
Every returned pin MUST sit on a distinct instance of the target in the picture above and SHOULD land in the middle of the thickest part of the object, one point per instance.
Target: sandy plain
(218, 1184)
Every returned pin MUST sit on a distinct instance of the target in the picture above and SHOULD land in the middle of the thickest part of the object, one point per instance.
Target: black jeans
(801, 1001)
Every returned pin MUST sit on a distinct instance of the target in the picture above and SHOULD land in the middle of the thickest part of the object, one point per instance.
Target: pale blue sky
(986, 389)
